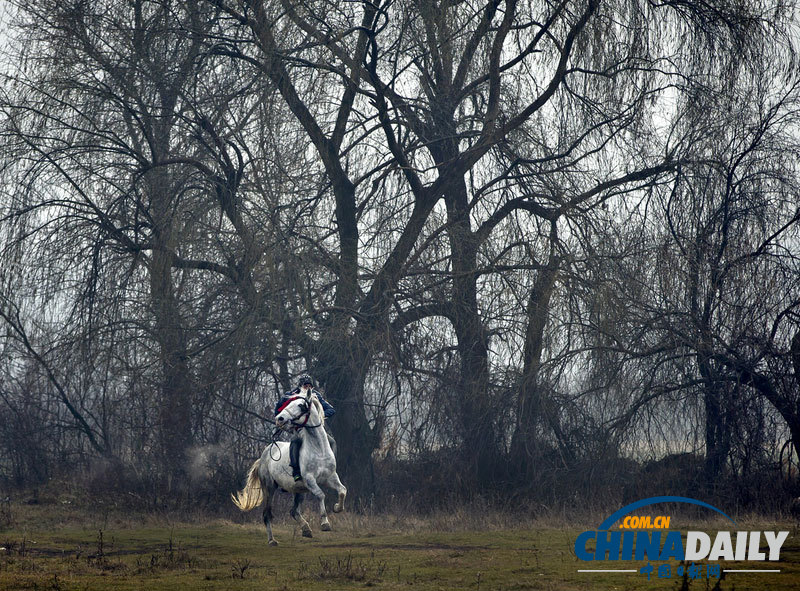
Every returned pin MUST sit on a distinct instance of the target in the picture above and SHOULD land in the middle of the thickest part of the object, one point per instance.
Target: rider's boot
(294, 459)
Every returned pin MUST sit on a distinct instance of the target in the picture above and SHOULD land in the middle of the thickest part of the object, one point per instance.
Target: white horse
(303, 414)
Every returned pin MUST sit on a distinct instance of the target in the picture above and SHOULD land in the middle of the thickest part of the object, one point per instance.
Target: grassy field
(56, 547)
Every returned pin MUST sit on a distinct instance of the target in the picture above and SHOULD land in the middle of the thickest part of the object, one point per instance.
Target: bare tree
(116, 131)
(440, 209)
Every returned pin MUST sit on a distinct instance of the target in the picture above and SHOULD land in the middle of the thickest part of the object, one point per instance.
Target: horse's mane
(315, 401)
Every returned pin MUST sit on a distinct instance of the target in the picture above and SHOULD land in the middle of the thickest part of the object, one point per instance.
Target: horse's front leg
(313, 487)
(340, 488)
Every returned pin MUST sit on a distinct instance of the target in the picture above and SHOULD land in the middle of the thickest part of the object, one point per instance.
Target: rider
(304, 384)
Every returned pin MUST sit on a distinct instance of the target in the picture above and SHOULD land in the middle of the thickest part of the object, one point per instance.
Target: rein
(274, 445)
(304, 424)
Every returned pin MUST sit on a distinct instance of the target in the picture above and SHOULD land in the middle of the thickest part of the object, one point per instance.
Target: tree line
(517, 243)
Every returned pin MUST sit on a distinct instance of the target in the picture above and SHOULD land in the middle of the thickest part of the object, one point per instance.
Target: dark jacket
(327, 408)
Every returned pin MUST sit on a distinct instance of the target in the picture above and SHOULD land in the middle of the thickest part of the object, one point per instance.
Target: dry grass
(60, 544)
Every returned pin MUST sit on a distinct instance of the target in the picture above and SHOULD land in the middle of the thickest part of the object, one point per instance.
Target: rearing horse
(271, 471)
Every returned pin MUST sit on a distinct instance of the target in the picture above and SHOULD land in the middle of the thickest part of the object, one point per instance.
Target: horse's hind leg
(267, 514)
(295, 513)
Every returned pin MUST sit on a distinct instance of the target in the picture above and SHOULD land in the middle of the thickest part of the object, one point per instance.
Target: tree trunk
(342, 371)
(529, 400)
(794, 419)
(480, 445)
(177, 391)
(717, 431)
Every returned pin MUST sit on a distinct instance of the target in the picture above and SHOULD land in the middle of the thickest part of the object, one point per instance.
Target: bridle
(295, 421)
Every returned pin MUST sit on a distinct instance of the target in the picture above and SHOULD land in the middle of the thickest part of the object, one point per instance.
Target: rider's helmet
(305, 379)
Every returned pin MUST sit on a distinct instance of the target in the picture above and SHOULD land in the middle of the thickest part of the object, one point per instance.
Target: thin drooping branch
(11, 315)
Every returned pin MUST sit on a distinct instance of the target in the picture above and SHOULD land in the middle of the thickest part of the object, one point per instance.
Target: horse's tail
(252, 494)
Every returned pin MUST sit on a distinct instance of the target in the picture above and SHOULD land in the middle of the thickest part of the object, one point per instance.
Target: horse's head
(299, 411)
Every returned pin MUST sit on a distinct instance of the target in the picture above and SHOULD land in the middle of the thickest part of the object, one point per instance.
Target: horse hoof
(337, 508)
(325, 526)
(307, 533)
(273, 542)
